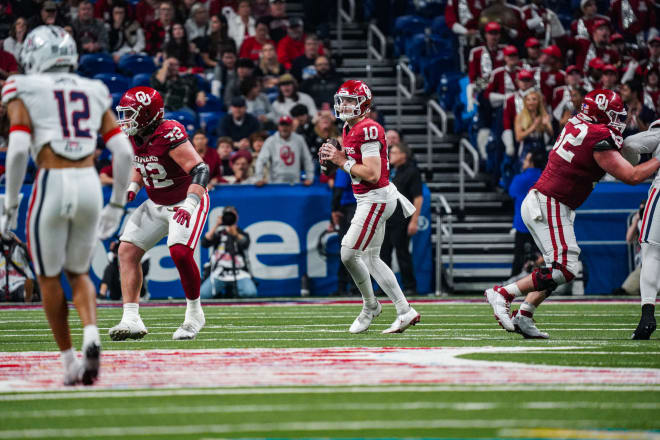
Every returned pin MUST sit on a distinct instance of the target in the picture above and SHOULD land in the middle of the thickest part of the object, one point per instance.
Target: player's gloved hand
(133, 189)
(110, 218)
(183, 213)
(7, 219)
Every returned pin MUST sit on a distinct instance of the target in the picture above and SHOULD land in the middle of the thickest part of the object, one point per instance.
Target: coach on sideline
(407, 179)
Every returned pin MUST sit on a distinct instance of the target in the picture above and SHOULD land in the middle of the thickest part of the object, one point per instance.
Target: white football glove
(8, 220)
(109, 222)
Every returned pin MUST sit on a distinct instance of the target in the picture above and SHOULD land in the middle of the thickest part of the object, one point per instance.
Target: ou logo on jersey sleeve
(287, 155)
(143, 98)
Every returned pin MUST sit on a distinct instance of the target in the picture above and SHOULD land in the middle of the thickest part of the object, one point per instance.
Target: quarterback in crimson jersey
(365, 158)
(175, 178)
(587, 148)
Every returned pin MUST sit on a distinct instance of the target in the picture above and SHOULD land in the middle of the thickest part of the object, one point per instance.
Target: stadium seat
(213, 104)
(115, 99)
(141, 79)
(405, 27)
(132, 64)
(115, 83)
(209, 120)
(430, 8)
(92, 64)
(203, 84)
(439, 28)
(188, 119)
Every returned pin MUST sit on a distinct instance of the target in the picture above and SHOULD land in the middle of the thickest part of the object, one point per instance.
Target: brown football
(327, 167)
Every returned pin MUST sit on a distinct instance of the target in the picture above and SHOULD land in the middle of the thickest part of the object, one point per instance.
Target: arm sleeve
(16, 163)
(370, 149)
(415, 184)
(117, 142)
(336, 198)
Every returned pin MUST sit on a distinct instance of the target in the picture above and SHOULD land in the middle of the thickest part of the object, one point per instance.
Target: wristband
(191, 202)
(348, 165)
(134, 187)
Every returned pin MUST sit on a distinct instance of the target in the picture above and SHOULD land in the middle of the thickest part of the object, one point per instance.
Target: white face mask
(347, 111)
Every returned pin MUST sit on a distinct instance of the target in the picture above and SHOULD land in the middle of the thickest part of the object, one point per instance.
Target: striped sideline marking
(32, 371)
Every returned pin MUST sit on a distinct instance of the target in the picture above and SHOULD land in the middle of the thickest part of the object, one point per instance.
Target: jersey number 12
(75, 117)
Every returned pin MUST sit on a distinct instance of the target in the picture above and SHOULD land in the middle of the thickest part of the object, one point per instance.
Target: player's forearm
(121, 167)
(16, 164)
(417, 202)
(642, 172)
(365, 173)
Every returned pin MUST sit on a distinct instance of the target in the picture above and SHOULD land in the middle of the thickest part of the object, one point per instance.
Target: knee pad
(548, 278)
(348, 255)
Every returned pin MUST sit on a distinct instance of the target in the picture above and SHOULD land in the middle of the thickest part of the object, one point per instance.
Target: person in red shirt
(293, 45)
(633, 18)
(533, 48)
(512, 106)
(550, 75)
(583, 27)
(484, 59)
(209, 156)
(461, 16)
(8, 65)
(251, 47)
(598, 46)
(145, 12)
(157, 32)
(503, 79)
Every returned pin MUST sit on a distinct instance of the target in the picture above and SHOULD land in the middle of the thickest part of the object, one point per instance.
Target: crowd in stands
(240, 75)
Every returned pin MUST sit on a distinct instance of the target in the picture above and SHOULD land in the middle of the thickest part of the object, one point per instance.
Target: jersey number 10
(76, 116)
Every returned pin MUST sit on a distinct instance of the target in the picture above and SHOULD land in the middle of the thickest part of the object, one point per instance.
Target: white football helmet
(46, 47)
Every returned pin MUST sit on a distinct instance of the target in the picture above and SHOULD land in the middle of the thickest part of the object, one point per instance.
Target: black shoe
(646, 324)
(91, 361)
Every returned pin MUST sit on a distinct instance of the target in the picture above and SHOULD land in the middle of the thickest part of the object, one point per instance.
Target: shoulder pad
(605, 144)
(172, 132)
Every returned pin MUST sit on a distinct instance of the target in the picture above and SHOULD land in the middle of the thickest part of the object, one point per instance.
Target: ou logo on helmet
(601, 101)
(143, 98)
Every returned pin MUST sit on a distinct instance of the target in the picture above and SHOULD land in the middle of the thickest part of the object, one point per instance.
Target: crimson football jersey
(367, 134)
(572, 171)
(165, 181)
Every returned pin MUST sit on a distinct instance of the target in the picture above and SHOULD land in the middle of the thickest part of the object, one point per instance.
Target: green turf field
(435, 393)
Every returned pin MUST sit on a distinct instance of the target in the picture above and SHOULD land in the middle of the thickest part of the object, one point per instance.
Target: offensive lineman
(175, 177)
(365, 159)
(587, 148)
(649, 236)
(56, 116)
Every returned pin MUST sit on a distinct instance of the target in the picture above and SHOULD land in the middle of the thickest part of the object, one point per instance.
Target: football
(327, 167)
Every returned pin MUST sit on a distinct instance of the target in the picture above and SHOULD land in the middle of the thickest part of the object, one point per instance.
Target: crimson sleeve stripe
(5, 92)
(110, 134)
(24, 128)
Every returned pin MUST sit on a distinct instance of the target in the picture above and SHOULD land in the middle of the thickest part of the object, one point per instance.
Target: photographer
(110, 287)
(228, 262)
(16, 278)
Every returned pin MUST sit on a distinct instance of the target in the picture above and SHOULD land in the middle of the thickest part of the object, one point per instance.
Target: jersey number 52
(571, 139)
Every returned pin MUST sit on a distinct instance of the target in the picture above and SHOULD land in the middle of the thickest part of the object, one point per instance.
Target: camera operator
(228, 263)
(110, 287)
(16, 278)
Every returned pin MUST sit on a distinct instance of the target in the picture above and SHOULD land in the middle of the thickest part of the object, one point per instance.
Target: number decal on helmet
(143, 98)
(601, 101)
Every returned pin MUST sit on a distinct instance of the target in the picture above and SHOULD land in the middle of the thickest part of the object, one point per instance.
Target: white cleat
(128, 329)
(501, 308)
(363, 321)
(73, 374)
(190, 327)
(402, 322)
(526, 327)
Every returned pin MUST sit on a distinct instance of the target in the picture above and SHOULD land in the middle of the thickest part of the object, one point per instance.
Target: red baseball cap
(616, 37)
(601, 23)
(609, 68)
(238, 154)
(285, 120)
(552, 51)
(510, 51)
(597, 64)
(493, 26)
(573, 69)
(532, 42)
(526, 75)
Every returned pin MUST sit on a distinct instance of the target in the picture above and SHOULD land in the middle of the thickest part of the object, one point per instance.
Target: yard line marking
(565, 434)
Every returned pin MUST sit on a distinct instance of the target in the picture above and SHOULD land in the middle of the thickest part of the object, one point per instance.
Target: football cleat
(91, 363)
(363, 321)
(73, 374)
(526, 327)
(128, 329)
(190, 327)
(501, 307)
(646, 324)
(402, 322)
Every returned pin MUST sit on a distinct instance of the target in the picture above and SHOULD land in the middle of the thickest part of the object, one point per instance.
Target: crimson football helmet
(356, 90)
(139, 108)
(605, 107)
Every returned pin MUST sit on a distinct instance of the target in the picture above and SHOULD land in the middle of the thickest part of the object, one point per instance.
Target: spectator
(561, 96)
(540, 21)
(209, 156)
(289, 96)
(610, 78)
(197, 25)
(577, 96)
(586, 49)
(105, 175)
(639, 115)
(178, 46)
(258, 104)
(244, 70)
(652, 89)
(242, 25)
(256, 144)
(277, 20)
(533, 49)
(398, 230)
(251, 47)
(125, 36)
(392, 137)
(225, 71)
(325, 128)
(260, 8)
(550, 74)
(532, 167)
(16, 277)
(211, 46)
(269, 66)
(584, 26)
(219, 6)
(462, 17)
(302, 124)
(533, 128)
(303, 66)
(8, 65)
(17, 33)
(238, 124)
(633, 18)
(229, 261)
(145, 12)
(592, 81)
(225, 148)
(293, 45)
(157, 32)
(103, 10)
(503, 79)
(110, 287)
(653, 60)
(178, 91)
(240, 165)
(91, 33)
(512, 106)
(286, 154)
(323, 85)
(48, 15)
(343, 210)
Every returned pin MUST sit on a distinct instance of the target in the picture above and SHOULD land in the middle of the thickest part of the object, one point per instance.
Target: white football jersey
(66, 110)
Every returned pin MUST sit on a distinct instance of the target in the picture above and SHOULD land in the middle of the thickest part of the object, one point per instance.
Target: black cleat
(91, 361)
(646, 324)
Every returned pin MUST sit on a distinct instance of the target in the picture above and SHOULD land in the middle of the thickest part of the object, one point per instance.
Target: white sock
(91, 335)
(194, 306)
(527, 307)
(386, 280)
(649, 282)
(352, 260)
(131, 311)
(513, 289)
(68, 357)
